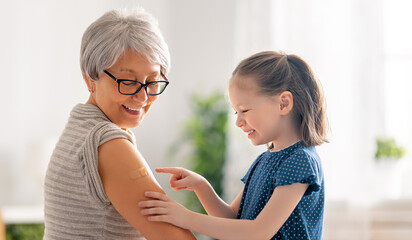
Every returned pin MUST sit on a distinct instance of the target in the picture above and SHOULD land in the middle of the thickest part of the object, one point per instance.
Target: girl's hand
(163, 209)
(182, 178)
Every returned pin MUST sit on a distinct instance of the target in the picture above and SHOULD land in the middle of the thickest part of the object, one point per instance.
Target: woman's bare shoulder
(126, 176)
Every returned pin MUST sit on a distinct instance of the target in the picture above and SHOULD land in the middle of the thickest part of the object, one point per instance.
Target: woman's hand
(182, 178)
(164, 209)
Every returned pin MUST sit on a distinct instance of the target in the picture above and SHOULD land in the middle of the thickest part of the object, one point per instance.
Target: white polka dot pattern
(295, 164)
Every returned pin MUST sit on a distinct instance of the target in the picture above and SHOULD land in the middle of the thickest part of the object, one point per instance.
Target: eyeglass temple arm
(163, 76)
(114, 78)
(110, 75)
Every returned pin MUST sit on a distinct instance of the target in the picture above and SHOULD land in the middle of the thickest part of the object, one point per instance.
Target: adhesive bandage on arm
(138, 173)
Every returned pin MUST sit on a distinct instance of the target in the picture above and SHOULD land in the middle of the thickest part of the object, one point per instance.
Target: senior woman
(96, 175)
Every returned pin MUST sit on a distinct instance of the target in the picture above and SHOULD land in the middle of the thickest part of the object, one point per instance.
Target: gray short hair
(106, 39)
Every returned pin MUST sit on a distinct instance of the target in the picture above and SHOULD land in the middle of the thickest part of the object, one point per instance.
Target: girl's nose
(239, 121)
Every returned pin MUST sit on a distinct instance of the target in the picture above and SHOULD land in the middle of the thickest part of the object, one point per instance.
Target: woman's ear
(285, 102)
(89, 82)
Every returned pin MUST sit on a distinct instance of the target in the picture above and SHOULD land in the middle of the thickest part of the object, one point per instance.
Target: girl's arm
(185, 179)
(125, 177)
(281, 204)
(214, 205)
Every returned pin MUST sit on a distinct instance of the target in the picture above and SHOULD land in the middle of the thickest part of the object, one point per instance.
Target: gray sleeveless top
(76, 206)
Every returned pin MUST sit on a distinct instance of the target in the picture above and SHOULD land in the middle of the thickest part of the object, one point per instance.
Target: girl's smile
(257, 115)
(265, 119)
(250, 133)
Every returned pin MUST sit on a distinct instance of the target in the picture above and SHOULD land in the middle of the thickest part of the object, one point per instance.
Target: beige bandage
(138, 173)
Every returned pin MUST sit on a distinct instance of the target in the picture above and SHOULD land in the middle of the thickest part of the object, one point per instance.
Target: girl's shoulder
(302, 165)
(299, 154)
(305, 162)
(308, 153)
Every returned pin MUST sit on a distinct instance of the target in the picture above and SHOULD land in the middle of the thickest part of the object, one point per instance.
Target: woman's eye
(153, 84)
(129, 83)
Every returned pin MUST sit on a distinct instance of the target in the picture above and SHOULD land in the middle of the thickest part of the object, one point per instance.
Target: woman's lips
(132, 111)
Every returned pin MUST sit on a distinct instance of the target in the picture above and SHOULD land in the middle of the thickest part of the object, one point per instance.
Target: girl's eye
(243, 111)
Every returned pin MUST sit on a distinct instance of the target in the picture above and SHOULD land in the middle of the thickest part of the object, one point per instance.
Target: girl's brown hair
(277, 72)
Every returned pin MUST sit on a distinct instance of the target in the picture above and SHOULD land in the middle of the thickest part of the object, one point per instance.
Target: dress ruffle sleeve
(300, 167)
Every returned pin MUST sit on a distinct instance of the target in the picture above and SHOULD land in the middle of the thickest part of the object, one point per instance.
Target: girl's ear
(285, 102)
(90, 83)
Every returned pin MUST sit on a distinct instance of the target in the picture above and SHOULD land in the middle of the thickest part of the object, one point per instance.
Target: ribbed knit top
(76, 206)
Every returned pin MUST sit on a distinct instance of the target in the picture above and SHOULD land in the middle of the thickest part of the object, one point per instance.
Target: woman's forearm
(212, 203)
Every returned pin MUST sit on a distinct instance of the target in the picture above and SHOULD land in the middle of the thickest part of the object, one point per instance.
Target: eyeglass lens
(131, 87)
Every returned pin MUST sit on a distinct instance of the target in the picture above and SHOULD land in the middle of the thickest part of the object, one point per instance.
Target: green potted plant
(204, 133)
(387, 149)
(32, 231)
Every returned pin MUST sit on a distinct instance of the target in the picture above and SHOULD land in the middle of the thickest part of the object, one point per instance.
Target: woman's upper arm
(123, 170)
(280, 206)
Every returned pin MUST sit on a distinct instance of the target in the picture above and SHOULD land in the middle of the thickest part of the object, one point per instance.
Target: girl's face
(126, 111)
(259, 116)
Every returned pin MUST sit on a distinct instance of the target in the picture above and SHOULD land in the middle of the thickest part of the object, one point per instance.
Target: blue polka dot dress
(294, 164)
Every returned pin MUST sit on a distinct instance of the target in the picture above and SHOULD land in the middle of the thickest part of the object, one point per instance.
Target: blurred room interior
(360, 50)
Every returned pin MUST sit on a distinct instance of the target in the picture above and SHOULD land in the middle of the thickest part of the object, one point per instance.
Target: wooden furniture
(391, 219)
(2, 228)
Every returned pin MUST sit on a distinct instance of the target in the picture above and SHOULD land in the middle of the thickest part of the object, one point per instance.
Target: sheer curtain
(343, 41)
(398, 80)
(253, 29)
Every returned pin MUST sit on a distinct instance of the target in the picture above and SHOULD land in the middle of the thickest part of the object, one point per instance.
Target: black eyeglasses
(131, 87)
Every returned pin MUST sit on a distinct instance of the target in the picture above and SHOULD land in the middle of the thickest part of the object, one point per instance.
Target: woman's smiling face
(126, 111)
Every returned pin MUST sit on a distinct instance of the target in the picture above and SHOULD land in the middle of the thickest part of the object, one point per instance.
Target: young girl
(278, 101)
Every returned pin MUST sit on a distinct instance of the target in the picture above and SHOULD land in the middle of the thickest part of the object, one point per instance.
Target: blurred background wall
(42, 80)
(360, 50)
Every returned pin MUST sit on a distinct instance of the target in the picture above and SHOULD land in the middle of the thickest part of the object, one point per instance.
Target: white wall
(201, 45)
(342, 40)
(41, 78)
(343, 44)
(358, 50)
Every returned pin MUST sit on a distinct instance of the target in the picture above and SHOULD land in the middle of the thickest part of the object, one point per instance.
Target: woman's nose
(141, 95)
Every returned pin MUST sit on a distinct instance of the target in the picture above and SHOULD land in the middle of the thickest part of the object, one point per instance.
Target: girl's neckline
(286, 148)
